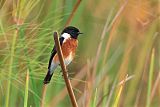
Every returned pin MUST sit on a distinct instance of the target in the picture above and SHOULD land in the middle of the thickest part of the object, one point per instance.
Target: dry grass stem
(155, 86)
(73, 12)
(112, 27)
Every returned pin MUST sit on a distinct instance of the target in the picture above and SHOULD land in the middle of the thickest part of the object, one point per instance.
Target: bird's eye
(73, 32)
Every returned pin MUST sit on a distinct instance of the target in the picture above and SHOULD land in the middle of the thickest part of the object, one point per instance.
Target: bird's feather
(51, 64)
(54, 51)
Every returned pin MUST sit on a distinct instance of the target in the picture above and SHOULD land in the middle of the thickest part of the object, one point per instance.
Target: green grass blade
(118, 97)
(10, 69)
(26, 90)
(150, 79)
(33, 83)
(95, 98)
(119, 92)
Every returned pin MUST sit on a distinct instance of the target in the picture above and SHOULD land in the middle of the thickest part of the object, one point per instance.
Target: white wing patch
(66, 36)
(53, 66)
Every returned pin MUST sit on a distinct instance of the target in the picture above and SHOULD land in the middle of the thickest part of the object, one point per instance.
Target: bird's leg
(66, 73)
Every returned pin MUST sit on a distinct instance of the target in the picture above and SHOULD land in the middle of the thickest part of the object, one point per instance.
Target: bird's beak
(80, 33)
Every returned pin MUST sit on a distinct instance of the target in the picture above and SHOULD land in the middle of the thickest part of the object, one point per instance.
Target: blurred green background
(117, 62)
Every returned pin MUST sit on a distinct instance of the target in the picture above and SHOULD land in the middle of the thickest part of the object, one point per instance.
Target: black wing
(54, 51)
(49, 75)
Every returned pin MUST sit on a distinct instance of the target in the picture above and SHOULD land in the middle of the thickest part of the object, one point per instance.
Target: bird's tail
(47, 78)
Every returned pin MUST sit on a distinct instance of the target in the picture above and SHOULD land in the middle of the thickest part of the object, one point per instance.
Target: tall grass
(26, 90)
(150, 79)
(118, 40)
(10, 68)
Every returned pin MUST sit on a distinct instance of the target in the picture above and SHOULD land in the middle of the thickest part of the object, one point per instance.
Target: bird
(69, 43)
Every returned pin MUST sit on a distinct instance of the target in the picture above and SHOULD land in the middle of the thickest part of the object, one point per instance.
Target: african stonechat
(69, 42)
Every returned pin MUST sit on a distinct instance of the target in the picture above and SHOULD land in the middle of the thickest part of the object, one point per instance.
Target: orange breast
(70, 45)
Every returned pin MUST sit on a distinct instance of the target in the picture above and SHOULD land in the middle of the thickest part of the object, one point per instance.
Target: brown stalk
(73, 12)
(64, 71)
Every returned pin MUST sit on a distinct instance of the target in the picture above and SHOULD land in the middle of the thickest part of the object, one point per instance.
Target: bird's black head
(73, 31)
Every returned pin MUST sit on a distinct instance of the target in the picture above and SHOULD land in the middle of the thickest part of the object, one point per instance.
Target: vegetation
(117, 62)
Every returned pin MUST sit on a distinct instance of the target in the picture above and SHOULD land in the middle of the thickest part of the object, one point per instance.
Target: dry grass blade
(64, 70)
(73, 12)
(155, 86)
(111, 93)
(138, 96)
(112, 27)
(88, 86)
(43, 94)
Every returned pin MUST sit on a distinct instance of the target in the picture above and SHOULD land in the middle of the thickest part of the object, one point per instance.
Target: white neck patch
(66, 35)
